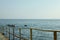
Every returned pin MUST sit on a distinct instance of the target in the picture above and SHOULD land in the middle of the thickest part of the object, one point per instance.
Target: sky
(29, 9)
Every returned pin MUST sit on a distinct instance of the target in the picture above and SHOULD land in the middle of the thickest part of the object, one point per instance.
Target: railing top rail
(42, 29)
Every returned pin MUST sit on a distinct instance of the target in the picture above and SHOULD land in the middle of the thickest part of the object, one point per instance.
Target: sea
(44, 24)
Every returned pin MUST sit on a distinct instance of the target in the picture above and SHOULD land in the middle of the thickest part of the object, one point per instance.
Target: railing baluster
(6, 31)
(3, 30)
(9, 33)
(13, 33)
(55, 35)
(30, 33)
(20, 33)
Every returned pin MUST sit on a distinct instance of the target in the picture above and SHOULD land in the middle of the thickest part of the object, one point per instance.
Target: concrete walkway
(2, 37)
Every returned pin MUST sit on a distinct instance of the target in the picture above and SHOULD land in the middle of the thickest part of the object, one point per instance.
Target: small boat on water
(10, 25)
(25, 25)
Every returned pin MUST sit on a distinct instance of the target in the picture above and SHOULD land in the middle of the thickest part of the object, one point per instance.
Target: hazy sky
(29, 9)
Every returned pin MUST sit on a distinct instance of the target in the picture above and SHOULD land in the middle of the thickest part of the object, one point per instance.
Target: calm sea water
(36, 23)
(49, 24)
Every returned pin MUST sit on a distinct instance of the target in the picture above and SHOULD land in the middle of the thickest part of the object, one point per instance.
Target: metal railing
(20, 37)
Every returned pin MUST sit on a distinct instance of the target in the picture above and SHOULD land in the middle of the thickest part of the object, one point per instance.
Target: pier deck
(2, 37)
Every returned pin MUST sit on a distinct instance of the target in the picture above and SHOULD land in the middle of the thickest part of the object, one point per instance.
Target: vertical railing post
(55, 35)
(30, 33)
(20, 33)
(2, 29)
(6, 31)
(9, 33)
(13, 33)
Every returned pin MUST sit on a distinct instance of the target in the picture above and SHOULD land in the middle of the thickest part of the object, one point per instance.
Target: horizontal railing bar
(12, 34)
(16, 35)
(43, 30)
(46, 30)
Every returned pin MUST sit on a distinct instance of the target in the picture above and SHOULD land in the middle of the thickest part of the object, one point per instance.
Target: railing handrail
(42, 29)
